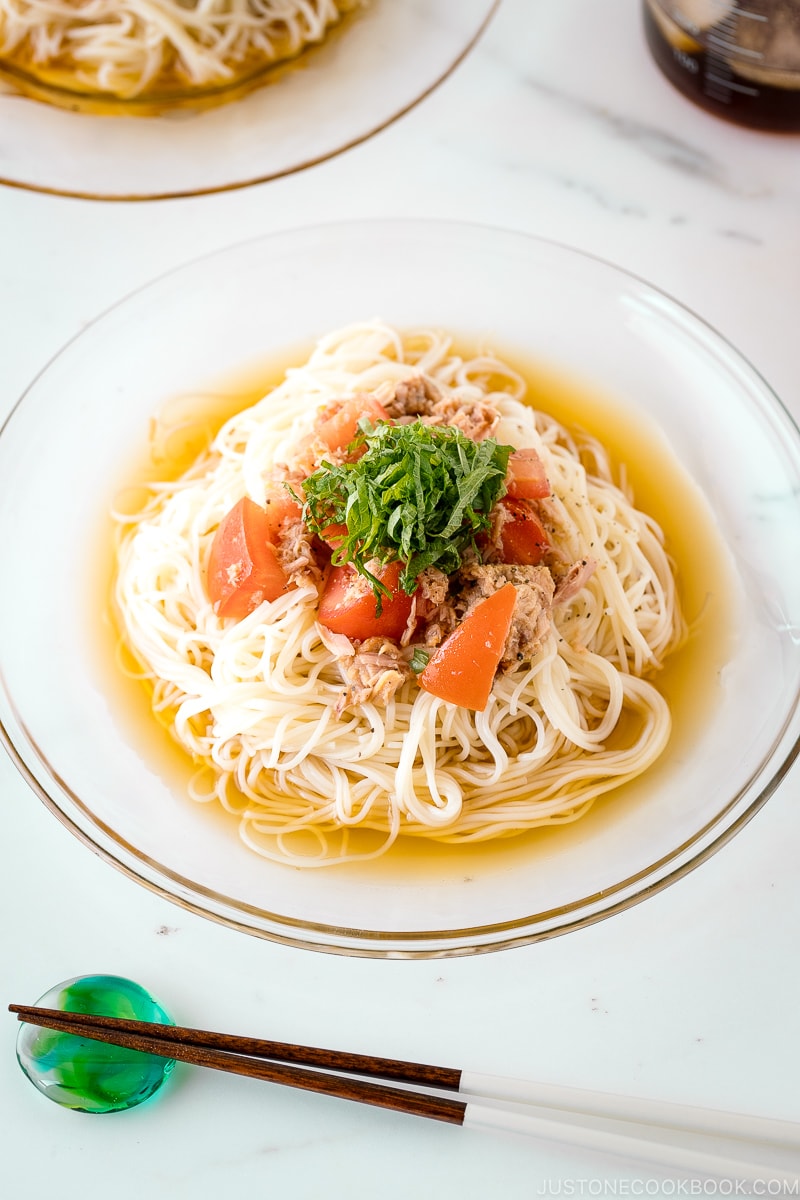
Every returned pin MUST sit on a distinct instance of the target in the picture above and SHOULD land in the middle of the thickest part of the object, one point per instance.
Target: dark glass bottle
(740, 61)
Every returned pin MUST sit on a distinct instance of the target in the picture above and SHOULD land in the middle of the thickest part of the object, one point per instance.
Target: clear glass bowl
(380, 64)
(70, 440)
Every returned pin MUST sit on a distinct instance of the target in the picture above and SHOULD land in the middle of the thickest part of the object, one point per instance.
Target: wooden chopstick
(243, 1056)
(396, 1070)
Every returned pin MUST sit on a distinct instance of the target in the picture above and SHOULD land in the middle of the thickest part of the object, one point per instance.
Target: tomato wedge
(462, 669)
(243, 567)
(526, 478)
(337, 423)
(523, 539)
(349, 605)
(279, 506)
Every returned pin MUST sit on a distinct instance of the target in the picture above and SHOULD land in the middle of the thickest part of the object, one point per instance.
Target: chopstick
(421, 1074)
(618, 1125)
(241, 1056)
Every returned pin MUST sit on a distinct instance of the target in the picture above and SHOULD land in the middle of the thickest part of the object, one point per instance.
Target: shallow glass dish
(367, 73)
(73, 436)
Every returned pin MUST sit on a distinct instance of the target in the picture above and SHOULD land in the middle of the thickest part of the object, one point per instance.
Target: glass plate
(68, 444)
(379, 65)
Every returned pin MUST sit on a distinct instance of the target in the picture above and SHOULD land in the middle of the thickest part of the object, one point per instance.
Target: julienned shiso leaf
(418, 493)
(419, 659)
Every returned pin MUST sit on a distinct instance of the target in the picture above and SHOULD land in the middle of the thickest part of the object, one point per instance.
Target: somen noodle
(129, 48)
(266, 704)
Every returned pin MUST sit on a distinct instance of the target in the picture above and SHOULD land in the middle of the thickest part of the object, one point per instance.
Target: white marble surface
(560, 125)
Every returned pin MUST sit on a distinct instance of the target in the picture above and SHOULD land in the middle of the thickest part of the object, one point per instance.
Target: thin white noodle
(125, 47)
(256, 700)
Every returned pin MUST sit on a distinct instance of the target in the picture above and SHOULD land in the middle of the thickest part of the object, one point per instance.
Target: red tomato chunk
(337, 423)
(526, 478)
(243, 567)
(462, 669)
(349, 604)
(523, 539)
(279, 507)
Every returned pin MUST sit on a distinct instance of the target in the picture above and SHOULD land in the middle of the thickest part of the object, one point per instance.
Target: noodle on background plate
(258, 702)
(132, 48)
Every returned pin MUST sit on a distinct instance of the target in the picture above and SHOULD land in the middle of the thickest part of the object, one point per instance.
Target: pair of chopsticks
(648, 1131)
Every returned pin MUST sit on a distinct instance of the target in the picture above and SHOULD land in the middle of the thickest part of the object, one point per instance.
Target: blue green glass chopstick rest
(92, 1076)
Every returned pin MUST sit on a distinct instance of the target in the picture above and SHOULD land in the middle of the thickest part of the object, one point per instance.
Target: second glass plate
(332, 97)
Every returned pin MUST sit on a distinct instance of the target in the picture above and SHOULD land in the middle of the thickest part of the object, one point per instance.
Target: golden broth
(688, 681)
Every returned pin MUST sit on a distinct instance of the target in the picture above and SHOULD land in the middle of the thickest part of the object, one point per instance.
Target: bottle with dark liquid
(739, 60)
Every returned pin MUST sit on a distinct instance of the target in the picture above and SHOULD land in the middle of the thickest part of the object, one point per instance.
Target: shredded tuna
(413, 398)
(373, 673)
(296, 554)
(419, 399)
(431, 610)
(339, 645)
(475, 418)
(531, 620)
(492, 546)
(576, 578)
(309, 453)
(432, 586)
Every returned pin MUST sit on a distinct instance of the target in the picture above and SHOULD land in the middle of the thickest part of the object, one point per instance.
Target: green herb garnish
(419, 659)
(419, 493)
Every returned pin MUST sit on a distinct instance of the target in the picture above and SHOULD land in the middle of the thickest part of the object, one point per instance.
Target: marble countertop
(557, 124)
